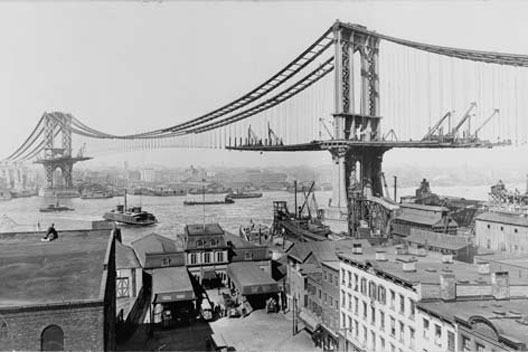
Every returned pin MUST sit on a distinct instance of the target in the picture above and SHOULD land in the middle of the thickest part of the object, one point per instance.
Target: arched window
(52, 339)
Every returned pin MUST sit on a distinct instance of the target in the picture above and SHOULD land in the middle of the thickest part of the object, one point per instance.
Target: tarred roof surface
(65, 270)
(171, 285)
(250, 279)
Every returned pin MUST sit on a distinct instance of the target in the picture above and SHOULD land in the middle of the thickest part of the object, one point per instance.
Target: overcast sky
(126, 67)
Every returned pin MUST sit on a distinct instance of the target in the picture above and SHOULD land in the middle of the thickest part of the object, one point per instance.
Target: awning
(310, 321)
(171, 285)
(249, 279)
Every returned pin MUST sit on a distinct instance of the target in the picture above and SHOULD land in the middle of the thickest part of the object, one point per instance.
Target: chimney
(380, 256)
(447, 258)
(447, 287)
(483, 268)
(408, 265)
(500, 285)
(357, 248)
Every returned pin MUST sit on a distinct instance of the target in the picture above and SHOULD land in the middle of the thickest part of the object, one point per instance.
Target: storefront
(173, 297)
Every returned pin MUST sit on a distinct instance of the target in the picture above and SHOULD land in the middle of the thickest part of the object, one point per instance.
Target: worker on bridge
(51, 234)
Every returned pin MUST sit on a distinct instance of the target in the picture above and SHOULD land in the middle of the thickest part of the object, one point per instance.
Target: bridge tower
(59, 157)
(356, 118)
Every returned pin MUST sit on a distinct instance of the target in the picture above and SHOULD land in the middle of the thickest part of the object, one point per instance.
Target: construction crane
(321, 120)
(252, 137)
(389, 134)
(435, 128)
(454, 132)
(385, 187)
(272, 136)
(495, 112)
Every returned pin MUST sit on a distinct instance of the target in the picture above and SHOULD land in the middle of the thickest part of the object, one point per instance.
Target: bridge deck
(325, 145)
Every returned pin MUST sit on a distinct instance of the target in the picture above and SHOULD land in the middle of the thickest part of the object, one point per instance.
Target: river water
(23, 214)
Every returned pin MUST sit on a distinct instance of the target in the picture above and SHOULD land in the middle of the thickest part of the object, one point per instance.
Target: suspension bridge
(335, 96)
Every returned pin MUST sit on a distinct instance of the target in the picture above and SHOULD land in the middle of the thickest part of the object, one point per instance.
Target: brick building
(426, 217)
(506, 233)
(58, 295)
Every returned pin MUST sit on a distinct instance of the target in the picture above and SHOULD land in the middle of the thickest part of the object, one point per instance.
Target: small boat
(244, 195)
(54, 207)
(226, 200)
(134, 216)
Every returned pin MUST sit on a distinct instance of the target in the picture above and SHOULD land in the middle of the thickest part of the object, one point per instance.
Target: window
(193, 258)
(450, 341)
(382, 321)
(479, 347)
(438, 334)
(356, 282)
(382, 294)
(349, 279)
(349, 302)
(213, 242)
(349, 322)
(411, 337)
(402, 332)
(331, 302)
(248, 256)
(488, 226)
(343, 298)
(372, 316)
(219, 256)
(165, 261)
(207, 257)
(52, 339)
(392, 348)
(330, 278)
(199, 243)
(363, 288)
(336, 281)
(356, 328)
(465, 344)
(364, 335)
(364, 311)
(515, 231)
(324, 275)
(393, 299)
(343, 277)
(412, 308)
(325, 298)
(382, 344)
(373, 339)
(319, 294)
(402, 304)
(392, 326)
(343, 320)
(372, 290)
(425, 328)
(356, 306)
(122, 287)
(502, 228)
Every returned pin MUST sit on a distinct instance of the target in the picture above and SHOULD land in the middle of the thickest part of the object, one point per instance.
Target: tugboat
(54, 207)
(134, 216)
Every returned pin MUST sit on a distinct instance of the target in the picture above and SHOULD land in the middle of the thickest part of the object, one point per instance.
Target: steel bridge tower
(356, 118)
(59, 157)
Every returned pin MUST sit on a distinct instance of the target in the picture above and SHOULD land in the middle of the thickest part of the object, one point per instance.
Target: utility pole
(294, 327)
(395, 187)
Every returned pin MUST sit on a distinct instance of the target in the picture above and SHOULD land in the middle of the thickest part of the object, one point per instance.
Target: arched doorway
(52, 339)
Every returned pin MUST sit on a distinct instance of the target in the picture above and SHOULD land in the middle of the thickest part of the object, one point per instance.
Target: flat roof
(250, 279)
(504, 314)
(68, 269)
(437, 240)
(172, 284)
(203, 229)
(423, 207)
(428, 268)
(154, 243)
(504, 218)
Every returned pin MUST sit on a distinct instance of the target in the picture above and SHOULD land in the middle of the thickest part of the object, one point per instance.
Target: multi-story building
(380, 290)
(502, 232)
(330, 305)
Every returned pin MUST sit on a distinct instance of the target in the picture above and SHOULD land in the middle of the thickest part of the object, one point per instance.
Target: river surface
(22, 214)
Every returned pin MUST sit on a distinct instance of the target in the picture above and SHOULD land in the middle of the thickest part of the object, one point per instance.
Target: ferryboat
(134, 216)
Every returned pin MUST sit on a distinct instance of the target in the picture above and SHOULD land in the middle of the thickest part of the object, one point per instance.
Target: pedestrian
(51, 234)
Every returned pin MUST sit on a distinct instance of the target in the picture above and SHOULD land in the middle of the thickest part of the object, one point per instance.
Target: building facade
(502, 232)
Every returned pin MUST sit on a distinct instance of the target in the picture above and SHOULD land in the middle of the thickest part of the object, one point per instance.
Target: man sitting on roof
(51, 235)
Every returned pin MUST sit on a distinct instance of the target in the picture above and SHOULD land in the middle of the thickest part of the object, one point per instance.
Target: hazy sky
(125, 67)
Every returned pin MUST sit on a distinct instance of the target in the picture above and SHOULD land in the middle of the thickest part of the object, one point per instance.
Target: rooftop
(203, 230)
(504, 218)
(323, 250)
(68, 269)
(423, 207)
(125, 257)
(427, 268)
(426, 219)
(505, 316)
(154, 243)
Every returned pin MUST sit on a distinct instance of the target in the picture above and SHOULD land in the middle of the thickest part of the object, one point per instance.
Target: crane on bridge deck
(453, 134)
(431, 134)
(493, 114)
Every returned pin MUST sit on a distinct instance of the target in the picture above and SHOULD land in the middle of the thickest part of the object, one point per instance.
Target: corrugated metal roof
(250, 279)
(172, 284)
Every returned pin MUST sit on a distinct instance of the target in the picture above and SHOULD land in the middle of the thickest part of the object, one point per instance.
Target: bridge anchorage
(60, 158)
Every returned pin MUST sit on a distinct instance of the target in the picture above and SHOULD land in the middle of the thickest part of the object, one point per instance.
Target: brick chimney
(447, 258)
(500, 285)
(483, 268)
(408, 265)
(447, 287)
(380, 256)
(357, 248)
